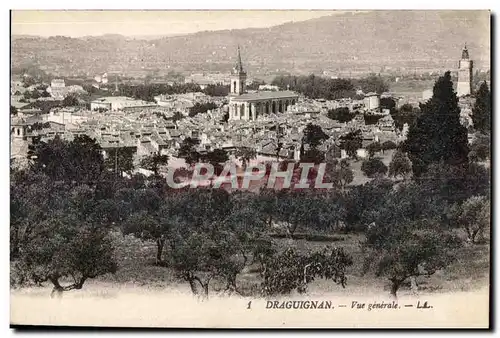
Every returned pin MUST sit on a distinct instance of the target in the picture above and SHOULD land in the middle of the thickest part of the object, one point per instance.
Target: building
(465, 68)
(372, 101)
(114, 103)
(268, 87)
(57, 83)
(249, 106)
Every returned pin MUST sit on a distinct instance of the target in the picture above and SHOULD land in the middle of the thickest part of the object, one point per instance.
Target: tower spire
(465, 52)
(239, 64)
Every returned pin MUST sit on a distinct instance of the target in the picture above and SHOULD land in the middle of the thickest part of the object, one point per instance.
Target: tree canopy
(481, 112)
(351, 142)
(437, 134)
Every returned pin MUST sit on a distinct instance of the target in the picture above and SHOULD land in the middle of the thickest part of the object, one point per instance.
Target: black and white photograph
(250, 168)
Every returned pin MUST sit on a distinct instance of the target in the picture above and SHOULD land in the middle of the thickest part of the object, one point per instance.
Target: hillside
(346, 41)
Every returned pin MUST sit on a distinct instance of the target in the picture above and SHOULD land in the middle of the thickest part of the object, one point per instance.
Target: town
(266, 121)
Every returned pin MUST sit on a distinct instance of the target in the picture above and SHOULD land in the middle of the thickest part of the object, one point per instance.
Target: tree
(363, 201)
(80, 253)
(455, 183)
(373, 148)
(153, 225)
(255, 85)
(291, 270)
(70, 101)
(80, 160)
(246, 155)
(373, 83)
(13, 110)
(389, 145)
(437, 134)
(177, 117)
(216, 90)
(154, 161)
(371, 119)
(409, 253)
(388, 103)
(316, 87)
(306, 209)
(339, 173)
(314, 135)
(405, 238)
(406, 108)
(188, 151)
(58, 232)
(216, 158)
(341, 114)
(312, 155)
(373, 166)
(213, 238)
(200, 258)
(481, 112)
(351, 142)
(480, 148)
(473, 216)
(28, 205)
(200, 108)
(400, 164)
(120, 160)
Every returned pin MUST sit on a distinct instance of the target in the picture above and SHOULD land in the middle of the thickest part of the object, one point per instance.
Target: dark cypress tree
(481, 113)
(437, 135)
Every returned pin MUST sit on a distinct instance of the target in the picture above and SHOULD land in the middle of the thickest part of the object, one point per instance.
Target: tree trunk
(469, 234)
(205, 290)
(192, 284)
(414, 285)
(395, 284)
(58, 289)
(160, 244)
(290, 231)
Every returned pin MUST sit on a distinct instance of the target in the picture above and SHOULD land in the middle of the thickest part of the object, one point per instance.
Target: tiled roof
(265, 95)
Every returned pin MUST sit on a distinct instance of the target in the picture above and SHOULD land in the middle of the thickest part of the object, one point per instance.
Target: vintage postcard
(250, 169)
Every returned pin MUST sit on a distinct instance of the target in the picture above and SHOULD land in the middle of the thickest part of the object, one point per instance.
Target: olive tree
(214, 237)
(68, 243)
(400, 165)
(473, 215)
(405, 238)
(291, 270)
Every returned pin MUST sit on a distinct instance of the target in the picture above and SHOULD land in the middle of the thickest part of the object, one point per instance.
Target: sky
(154, 23)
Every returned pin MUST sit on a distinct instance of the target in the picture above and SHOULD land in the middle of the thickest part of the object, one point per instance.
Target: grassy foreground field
(136, 269)
(141, 294)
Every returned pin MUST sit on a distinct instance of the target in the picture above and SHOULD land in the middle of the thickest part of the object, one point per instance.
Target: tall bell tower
(238, 77)
(465, 67)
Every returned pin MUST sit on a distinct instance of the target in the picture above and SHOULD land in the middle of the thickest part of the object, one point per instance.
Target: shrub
(373, 167)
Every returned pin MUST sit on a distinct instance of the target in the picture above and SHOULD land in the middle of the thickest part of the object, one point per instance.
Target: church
(249, 106)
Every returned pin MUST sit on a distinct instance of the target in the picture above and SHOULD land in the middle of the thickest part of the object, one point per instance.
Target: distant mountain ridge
(343, 41)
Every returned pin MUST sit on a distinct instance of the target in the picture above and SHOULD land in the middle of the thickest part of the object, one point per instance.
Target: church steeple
(238, 68)
(238, 77)
(465, 53)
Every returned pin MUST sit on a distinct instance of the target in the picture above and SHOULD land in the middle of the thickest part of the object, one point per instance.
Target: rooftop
(265, 95)
(116, 99)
